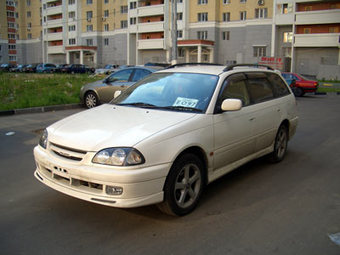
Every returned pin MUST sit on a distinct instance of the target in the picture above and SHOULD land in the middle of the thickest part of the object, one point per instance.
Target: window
(12, 58)
(287, 37)
(234, 87)
(106, 1)
(29, 25)
(12, 47)
(106, 41)
(89, 42)
(71, 15)
(202, 17)
(72, 28)
(259, 51)
(28, 2)
(243, 1)
(180, 16)
(70, 2)
(123, 24)
(226, 16)
(124, 9)
(72, 41)
(181, 52)
(284, 8)
(202, 2)
(106, 13)
(133, 21)
(261, 13)
(202, 35)
(226, 1)
(259, 88)
(29, 36)
(226, 35)
(334, 30)
(179, 34)
(243, 15)
(106, 27)
(89, 28)
(133, 5)
(278, 84)
(89, 15)
(11, 25)
(140, 74)
(11, 36)
(120, 76)
(88, 1)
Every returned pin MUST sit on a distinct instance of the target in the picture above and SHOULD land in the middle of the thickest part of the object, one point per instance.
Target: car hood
(112, 126)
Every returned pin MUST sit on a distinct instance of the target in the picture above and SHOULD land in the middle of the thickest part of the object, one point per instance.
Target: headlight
(43, 139)
(119, 157)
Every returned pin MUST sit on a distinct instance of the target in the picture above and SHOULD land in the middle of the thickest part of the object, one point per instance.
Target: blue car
(46, 68)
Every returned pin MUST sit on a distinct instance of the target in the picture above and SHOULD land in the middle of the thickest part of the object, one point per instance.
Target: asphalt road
(288, 208)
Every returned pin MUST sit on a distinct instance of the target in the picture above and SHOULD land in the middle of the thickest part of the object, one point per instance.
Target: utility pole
(174, 31)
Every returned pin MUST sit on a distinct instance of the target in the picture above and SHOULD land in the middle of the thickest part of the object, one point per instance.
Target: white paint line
(335, 238)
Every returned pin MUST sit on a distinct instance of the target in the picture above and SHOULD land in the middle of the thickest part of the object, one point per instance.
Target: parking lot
(288, 208)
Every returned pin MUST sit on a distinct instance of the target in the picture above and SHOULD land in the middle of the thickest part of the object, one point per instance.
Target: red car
(299, 84)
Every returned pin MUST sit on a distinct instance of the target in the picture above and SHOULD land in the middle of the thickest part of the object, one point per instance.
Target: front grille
(66, 152)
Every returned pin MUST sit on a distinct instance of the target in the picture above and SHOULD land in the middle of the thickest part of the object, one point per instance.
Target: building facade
(302, 33)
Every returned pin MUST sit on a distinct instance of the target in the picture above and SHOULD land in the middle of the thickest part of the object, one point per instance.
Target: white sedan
(166, 137)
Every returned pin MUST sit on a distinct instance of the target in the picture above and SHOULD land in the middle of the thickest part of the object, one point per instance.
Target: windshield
(171, 91)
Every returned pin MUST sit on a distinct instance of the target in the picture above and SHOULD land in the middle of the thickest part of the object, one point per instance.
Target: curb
(40, 109)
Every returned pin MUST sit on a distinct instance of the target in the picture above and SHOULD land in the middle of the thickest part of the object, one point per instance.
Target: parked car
(46, 68)
(60, 67)
(77, 68)
(107, 69)
(103, 91)
(167, 136)
(7, 67)
(31, 68)
(300, 84)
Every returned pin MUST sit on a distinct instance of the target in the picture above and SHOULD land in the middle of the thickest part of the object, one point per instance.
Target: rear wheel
(183, 186)
(280, 145)
(91, 99)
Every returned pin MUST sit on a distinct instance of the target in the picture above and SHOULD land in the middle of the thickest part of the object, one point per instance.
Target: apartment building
(308, 32)
(302, 33)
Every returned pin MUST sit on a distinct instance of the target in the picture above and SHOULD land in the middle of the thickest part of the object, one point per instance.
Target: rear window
(259, 87)
(279, 86)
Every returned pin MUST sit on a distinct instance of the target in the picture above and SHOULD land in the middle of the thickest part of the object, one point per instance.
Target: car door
(116, 81)
(233, 130)
(266, 112)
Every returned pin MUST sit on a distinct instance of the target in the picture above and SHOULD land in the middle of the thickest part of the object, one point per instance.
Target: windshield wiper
(139, 104)
(182, 108)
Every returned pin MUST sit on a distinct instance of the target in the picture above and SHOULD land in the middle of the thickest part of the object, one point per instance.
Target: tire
(91, 99)
(183, 186)
(280, 145)
(298, 92)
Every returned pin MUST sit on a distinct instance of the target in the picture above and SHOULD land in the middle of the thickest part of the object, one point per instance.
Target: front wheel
(183, 186)
(280, 145)
(91, 100)
(298, 92)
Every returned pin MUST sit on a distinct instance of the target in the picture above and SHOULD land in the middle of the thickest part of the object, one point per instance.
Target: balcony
(318, 17)
(54, 36)
(151, 44)
(284, 19)
(151, 10)
(55, 49)
(54, 10)
(54, 23)
(317, 40)
(150, 27)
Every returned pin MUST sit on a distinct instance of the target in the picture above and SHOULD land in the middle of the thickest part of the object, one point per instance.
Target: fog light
(114, 190)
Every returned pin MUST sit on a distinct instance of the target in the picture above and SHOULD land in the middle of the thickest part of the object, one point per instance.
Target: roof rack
(193, 64)
(231, 67)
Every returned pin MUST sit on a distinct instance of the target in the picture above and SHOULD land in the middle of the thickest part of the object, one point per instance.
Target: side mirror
(117, 93)
(231, 105)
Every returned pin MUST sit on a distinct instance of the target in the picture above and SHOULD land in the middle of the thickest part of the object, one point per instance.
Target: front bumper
(143, 186)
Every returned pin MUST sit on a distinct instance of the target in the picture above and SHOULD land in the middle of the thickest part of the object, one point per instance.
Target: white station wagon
(166, 137)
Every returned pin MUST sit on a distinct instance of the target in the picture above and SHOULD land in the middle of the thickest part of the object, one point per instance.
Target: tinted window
(259, 87)
(122, 76)
(279, 86)
(140, 74)
(235, 87)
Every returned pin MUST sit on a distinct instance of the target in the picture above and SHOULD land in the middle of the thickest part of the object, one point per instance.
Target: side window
(259, 87)
(234, 87)
(279, 86)
(140, 74)
(121, 76)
